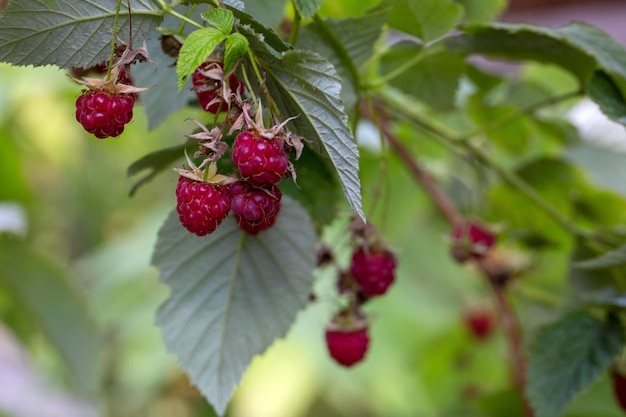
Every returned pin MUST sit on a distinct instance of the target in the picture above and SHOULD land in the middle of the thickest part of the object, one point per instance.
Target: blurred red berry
(471, 240)
(373, 269)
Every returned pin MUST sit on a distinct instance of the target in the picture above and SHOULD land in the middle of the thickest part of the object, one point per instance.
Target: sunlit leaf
(232, 294)
(196, 49)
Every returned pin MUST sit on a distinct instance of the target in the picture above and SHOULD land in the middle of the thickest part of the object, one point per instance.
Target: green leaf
(426, 19)
(46, 292)
(222, 19)
(307, 8)
(70, 33)
(196, 49)
(608, 96)
(267, 12)
(577, 47)
(348, 44)
(434, 79)
(616, 257)
(274, 42)
(482, 10)
(236, 47)
(155, 163)
(232, 294)
(164, 98)
(306, 85)
(567, 357)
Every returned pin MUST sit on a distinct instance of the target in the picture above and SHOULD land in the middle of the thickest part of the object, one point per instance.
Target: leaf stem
(114, 39)
(405, 107)
(397, 71)
(168, 9)
(184, 23)
(249, 86)
(295, 29)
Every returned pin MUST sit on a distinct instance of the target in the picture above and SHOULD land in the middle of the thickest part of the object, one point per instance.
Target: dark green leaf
(482, 10)
(70, 33)
(615, 257)
(196, 49)
(267, 12)
(232, 294)
(163, 98)
(348, 44)
(45, 291)
(236, 47)
(567, 357)
(306, 85)
(155, 163)
(222, 19)
(274, 43)
(577, 47)
(608, 96)
(307, 8)
(426, 19)
(433, 79)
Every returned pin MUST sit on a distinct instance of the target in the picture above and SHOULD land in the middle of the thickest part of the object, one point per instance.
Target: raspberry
(206, 89)
(201, 206)
(347, 346)
(255, 209)
(480, 323)
(373, 269)
(619, 388)
(471, 240)
(104, 114)
(260, 161)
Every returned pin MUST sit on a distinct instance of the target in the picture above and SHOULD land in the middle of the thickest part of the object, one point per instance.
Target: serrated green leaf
(616, 257)
(232, 294)
(306, 85)
(196, 49)
(236, 47)
(270, 38)
(567, 357)
(608, 96)
(577, 47)
(70, 34)
(348, 46)
(434, 79)
(45, 291)
(307, 8)
(426, 19)
(222, 19)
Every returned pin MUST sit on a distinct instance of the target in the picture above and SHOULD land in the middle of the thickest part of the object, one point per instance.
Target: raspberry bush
(280, 226)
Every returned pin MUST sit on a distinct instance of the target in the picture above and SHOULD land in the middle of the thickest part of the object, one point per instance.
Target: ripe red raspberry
(619, 388)
(347, 346)
(480, 322)
(255, 209)
(471, 240)
(260, 161)
(206, 89)
(104, 114)
(201, 206)
(373, 269)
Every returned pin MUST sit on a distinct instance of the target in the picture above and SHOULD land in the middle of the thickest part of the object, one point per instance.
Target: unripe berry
(373, 269)
(255, 209)
(260, 161)
(201, 206)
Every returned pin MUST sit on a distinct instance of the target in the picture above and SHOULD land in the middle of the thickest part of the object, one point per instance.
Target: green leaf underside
(426, 19)
(607, 95)
(222, 19)
(236, 47)
(615, 257)
(577, 47)
(196, 49)
(73, 33)
(307, 8)
(306, 85)
(44, 290)
(567, 357)
(232, 294)
(357, 36)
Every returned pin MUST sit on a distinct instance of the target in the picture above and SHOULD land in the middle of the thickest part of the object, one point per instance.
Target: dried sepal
(109, 84)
